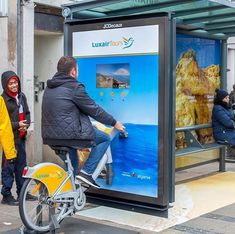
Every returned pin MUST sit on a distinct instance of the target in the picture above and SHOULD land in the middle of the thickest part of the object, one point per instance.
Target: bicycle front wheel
(35, 214)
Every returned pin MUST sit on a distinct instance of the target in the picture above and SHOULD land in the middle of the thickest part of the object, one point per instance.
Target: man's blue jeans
(102, 141)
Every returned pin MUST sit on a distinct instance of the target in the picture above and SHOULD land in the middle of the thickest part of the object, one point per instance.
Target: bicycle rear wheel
(35, 215)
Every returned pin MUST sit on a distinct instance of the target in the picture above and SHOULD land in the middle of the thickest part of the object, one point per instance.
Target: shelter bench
(194, 146)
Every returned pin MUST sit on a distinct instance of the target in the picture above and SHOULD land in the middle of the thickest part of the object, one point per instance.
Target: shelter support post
(172, 90)
(224, 64)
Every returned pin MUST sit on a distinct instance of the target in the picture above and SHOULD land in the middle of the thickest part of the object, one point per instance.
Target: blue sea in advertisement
(135, 161)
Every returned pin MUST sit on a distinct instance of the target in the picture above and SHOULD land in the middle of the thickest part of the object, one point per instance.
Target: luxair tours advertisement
(197, 77)
(119, 68)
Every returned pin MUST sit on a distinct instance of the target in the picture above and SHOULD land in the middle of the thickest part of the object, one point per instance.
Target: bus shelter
(154, 65)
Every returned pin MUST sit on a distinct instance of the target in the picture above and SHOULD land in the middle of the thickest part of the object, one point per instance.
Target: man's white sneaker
(87, 179)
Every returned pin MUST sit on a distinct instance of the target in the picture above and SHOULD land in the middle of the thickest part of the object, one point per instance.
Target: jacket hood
(5, 78)
(59, 79)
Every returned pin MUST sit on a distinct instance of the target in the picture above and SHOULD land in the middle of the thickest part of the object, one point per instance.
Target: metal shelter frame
(214, 19)
(211, 18)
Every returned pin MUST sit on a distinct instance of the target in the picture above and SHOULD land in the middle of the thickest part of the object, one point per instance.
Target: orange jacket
(6, 134)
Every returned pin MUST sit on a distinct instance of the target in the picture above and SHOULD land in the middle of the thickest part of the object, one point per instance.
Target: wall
(12, 35)
(231, 71)
(8, 25)
(3, 8)
(231, 64)
(47, 51)
(3, 45)
(40, 53)
(27, 70)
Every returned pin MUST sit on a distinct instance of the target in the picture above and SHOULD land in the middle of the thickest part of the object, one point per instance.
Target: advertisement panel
(119, 64)
(124, 86)
(197, 77)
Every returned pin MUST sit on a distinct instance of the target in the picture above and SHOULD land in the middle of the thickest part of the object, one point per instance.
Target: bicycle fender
(51, 175)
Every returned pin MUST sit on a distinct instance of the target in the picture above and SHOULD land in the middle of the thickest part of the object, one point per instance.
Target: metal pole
(224, 51)
(222, 159)
(172, 103)
(66, 35)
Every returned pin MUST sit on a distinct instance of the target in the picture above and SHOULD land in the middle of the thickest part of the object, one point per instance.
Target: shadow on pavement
(73, 225)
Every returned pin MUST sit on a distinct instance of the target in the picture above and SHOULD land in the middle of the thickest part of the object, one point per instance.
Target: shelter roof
(209, 17)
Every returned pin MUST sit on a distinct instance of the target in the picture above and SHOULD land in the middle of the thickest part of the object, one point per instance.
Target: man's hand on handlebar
(119, 126)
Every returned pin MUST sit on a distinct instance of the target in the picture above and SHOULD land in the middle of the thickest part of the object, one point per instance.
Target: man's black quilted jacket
(66, 108)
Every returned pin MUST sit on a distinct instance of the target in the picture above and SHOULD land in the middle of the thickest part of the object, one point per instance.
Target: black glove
(12, 160)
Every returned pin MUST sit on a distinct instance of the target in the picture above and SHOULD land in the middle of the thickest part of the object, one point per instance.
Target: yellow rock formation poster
(197, 77)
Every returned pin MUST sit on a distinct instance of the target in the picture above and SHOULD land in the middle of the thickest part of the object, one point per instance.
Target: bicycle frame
(54, 177)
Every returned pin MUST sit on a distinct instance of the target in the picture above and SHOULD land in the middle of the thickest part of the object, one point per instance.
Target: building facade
(31, 44)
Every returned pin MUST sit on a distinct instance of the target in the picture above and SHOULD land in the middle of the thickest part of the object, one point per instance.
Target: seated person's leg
(102, 141)
(74, 160)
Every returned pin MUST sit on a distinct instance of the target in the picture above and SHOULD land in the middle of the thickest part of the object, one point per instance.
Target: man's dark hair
(66, 63)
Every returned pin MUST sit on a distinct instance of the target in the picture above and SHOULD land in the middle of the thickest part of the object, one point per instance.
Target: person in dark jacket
(66, 108)
(19, 114)
(232, 98)
(223, 119)
(232, 95)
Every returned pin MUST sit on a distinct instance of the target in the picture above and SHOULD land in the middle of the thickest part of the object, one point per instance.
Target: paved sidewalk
(203, 205)
(221, 221)
(74, 226)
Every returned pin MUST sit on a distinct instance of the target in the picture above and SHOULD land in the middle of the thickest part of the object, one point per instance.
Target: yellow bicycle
(57, 193)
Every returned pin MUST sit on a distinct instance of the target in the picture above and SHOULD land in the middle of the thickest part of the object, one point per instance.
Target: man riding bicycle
(66, 108)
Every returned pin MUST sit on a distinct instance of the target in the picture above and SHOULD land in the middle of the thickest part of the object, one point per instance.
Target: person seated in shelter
(223, 121)
(232, 98)
(232, 95)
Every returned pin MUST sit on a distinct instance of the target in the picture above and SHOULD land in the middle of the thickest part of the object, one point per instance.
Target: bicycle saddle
(60, 150)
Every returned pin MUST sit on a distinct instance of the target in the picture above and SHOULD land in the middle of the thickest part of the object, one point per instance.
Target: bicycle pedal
(78, 182)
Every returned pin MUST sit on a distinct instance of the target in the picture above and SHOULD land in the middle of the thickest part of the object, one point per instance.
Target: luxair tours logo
(125, 43)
